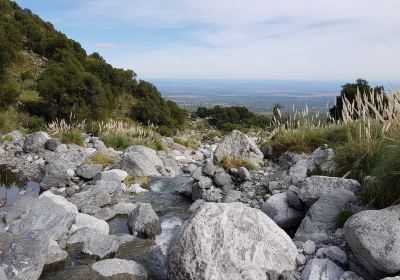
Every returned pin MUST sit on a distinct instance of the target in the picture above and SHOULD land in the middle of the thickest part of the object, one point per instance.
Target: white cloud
(330, 39)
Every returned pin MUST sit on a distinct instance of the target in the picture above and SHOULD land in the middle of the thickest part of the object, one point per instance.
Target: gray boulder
(55, 253)
(229, 241)
(334, 253)
(52, 145)
(140, 161)
(113, 267)
(277, 208)
(116, 175)
(232, 196)
(238, 145)
(97, 195)
(84, 220)
(314, 187)
(209, 193)
(209, 169)
(39, 214)
(244, 174)
(321, 269)
(123, 208)
(350, 275)
(56, 173)
(320, 222)
(25, 258)
(323, 160)
(374, 238)
(88, 171)
(144, 221)
(35, 141)
(95, 243)
(221, 178)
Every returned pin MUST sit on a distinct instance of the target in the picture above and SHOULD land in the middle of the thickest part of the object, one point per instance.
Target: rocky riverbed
(64, 216)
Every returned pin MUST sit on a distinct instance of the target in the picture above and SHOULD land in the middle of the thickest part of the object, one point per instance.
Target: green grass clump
(228, 163)
(11, 120)
(118, 141)
(72, 137)
(384, 190)
(101, 158)
(191, 142)
(130, 180)
(343, 216)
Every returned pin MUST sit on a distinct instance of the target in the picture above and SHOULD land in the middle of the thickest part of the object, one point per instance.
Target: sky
(236, 39)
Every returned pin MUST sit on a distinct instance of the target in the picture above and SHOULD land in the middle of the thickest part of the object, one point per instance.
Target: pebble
(301, 259)
(309, 247)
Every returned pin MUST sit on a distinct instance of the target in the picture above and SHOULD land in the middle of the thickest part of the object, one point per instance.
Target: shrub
(36, 124)
(8, 94)
(101, 158)
(228, 163)
(384, 190)
(343, 216)
(72, 137)
(191, 142)
(130, 180)
(116, 140)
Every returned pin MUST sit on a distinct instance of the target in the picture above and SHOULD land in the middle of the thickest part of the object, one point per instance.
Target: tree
(349, 91)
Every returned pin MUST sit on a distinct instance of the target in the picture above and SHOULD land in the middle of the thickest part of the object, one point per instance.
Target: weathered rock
(95, 243)
(323, 160)
(171, 166)
(349, 275)
(113, 267)
(316, 186)
(123, 208)
(97, 195)
(111, 175)
(55, 173)
(300, 168)
(60, 200)
(277, 208)
(105, 214)
(12, 136)
(320, 222)
(212, 193)
(209, 169)
(232, 196)
(144, 221)
(321, 269)
(239, 146)
(39, 214)
(334, 253)
(140, 161)
(88, 171)
(309, 247)
(197, 174)
(52, 145)
(26, 256)
(87, 221)
(229, 241)
(294, 201)
(374, 238)
(55, 253)
(221, 178)
(35, 141)
(244, 174)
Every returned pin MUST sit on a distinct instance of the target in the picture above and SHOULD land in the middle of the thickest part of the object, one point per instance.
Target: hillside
(47, 76)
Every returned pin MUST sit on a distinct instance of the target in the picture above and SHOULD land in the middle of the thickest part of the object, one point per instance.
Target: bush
(101, 158)
(343, 216)
(72, 137)
(116, 140)
(8, 94)
(36, 124)
(384, 190)
(191, 142)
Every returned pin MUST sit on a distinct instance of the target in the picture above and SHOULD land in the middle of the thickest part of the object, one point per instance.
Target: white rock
(123, 208)
(84, 220)
(60, 200)
(113, 267)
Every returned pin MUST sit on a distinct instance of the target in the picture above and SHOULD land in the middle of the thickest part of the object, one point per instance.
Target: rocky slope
(274, 222)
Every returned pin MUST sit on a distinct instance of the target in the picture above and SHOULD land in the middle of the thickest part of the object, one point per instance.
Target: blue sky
(236, 39)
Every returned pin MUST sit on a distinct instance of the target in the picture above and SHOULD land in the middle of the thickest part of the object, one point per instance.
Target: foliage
(130, 180)
(228, 163)
(36, 123)
(72, 137)
(8, 94)
(116, 140)
(343, 216)
(349, 92)
(150, 107)
(11, 119)
(101, 158)
(230, 118)
(190, 142)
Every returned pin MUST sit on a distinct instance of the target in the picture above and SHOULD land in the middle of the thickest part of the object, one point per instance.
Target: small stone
(244, 174)
(309, 247)
(301, 259)
(208, 169)
(70, 173)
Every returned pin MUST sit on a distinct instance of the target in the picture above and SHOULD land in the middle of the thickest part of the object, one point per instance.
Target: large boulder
(320, 221)
(84, 220)
(140, 161)
(60, 200)
(56, 173)
(144, 221)
(314, 187)
(323, 160)
(25, 257)
(35, 141)
(229, 241)
(321, 269)
(113, 267)
(95, 243)
(374, 237)
(277, 208)
(39, 214)
(55, 253)
(88, 171)
(238, 145)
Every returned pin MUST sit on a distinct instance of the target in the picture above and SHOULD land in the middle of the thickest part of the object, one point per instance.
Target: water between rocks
(171, 208)
(13, 185)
